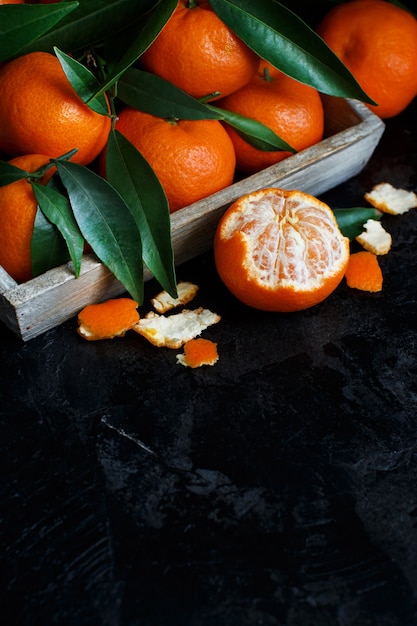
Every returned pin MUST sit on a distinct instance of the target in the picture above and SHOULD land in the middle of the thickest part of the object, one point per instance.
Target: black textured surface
(277, 488)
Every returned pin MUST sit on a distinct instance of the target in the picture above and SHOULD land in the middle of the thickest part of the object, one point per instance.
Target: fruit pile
(113, 116)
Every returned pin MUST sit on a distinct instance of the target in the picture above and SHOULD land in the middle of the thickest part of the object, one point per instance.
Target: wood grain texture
(351, 136)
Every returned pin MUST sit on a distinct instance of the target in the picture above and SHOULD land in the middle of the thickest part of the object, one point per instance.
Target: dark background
(276, 488)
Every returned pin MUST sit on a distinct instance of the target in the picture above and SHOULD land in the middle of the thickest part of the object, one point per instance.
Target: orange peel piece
(390, 199)
(175, 330)
(163, 302)
(198, 352)
(109, 319)
(363, 272)
(375, 238)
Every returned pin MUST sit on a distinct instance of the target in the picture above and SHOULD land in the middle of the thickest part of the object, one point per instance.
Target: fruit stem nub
(267, 75)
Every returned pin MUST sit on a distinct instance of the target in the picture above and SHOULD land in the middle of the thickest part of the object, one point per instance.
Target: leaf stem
(209, 96)
(267, 75)
(40, 173)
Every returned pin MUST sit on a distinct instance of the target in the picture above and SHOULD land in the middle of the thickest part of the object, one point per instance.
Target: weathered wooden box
(352, 133)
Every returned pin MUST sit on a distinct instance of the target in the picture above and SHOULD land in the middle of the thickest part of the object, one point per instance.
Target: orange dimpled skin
(280, 250)
(109, 319)
(192, 159)
(40, 113)
(377, 41)
(364, 272)
(198, 53)
(18, 208)
(292, 110)
(200, 351)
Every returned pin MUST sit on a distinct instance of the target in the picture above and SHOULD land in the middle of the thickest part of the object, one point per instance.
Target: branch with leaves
(124, 218)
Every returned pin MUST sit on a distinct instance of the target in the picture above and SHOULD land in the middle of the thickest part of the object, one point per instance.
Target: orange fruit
(109, 319)
(18, 208)
(198, 53)
(12, 1)
(278, 250)
(377, 41)
(192, 159)
(294, 111)
(40, 113)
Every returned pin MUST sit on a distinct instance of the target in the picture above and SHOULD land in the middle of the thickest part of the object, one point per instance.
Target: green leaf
(151, 94)
(22, 24)
(282, 38)
(57, 210)
(351, 220)
(91, 22)
(254, 132)
(83, 81)
(10, 173)
(137, 183)
(48, 248)
(106, 223)
(145, 36)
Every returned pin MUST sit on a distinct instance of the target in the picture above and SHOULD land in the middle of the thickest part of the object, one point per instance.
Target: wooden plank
(352, 133)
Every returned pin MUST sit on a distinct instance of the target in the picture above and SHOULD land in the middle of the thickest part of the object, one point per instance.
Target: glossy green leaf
(351, 220)
(144, 37)
(48, 248)
(132, 176)
(151, 94)
(282, 38)
(254, 132)
(106, 223)
(57, 210)
(83, 81)
(10, 173)
(91, 22)
(22, 24)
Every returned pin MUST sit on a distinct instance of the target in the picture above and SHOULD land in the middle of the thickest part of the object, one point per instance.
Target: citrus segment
(279, 250)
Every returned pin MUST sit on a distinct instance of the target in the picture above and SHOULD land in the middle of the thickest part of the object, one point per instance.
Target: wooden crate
(352, 133)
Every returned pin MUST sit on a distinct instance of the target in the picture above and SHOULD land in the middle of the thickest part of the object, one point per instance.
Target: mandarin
(18, 208)
(191, 158)
(377, 41)
(198, 53)
(278, 250)
(40, 113)
(294, 111)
